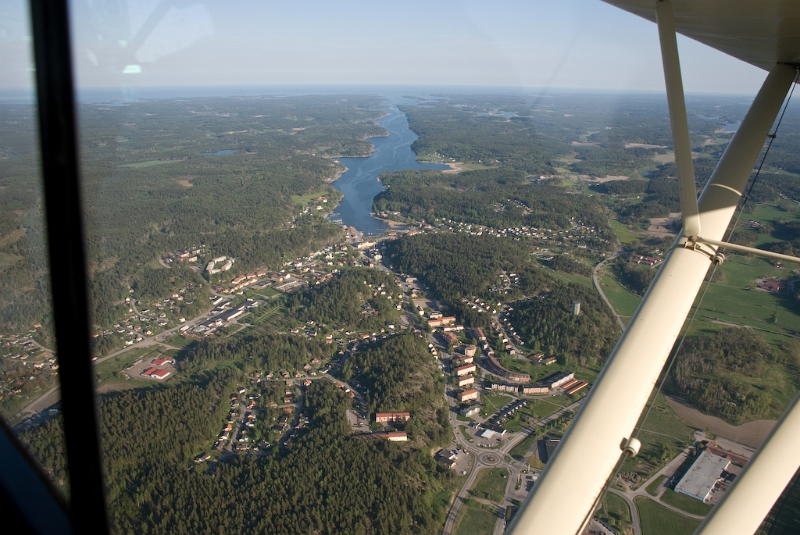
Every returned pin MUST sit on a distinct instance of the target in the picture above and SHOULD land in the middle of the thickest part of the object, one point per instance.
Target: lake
(360, 184)
(220, 152)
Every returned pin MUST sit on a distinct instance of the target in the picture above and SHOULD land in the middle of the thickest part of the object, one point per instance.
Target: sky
(583, 44)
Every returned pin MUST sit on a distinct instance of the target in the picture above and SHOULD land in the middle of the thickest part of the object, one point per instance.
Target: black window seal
(65, 237)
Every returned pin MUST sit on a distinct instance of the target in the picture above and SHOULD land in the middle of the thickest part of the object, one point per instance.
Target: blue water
(730, 128)
(360, 182)
(220, 152)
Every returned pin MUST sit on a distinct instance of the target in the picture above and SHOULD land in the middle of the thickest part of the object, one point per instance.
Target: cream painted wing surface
(759, 32)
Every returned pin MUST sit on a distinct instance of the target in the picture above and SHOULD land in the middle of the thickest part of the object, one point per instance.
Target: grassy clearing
(625, 234)
(561, 401)
(149, 163)
(263, 313)
(658, 520)
(492, 403)
(518, 452)
(267, 292)
(662, 419)
(623, 301)
(307, 199)
(181, 342)
(727, 300)
(614, 510)
(491, 484)
(475, 519)
(685, 503)
(538, 409)
(652, 488)
(570, 277)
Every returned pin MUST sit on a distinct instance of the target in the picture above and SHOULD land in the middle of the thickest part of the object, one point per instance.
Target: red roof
(161, 373)
(150, 371)
(162, 361)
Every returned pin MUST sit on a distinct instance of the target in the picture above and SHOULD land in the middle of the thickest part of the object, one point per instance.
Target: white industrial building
(700, 479)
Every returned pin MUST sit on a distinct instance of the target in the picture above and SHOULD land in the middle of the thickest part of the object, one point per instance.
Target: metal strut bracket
(693, 243)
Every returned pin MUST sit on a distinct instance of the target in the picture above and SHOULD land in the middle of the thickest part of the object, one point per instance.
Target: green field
(663, 419)
(539, 408)
(530, 414)
(571, 277)
(623, 301)
(652, 488)
(149, 163)
(180, 341)
(614, 510)
(308, 198)
(267, 292)
(474, 519)
(492, 403)
(624, 234)
(658, 520)
(519, 451)
(491, 484)
(685, 503)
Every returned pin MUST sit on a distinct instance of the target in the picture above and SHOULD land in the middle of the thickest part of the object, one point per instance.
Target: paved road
(600, 290)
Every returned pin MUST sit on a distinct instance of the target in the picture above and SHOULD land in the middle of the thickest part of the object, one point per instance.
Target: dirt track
(751, 434)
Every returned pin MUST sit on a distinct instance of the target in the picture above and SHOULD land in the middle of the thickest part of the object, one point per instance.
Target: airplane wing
(762, 33)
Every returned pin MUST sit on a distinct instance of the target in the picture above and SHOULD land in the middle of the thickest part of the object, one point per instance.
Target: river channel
(360, 184)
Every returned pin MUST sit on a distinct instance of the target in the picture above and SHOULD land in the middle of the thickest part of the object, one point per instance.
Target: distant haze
(567, 44)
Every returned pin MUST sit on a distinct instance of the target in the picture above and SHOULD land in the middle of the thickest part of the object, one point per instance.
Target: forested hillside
(459, 265)
(327, 483)
(400, 375)
(722, 374)
(358, 299)
(547, 323)
(258, 349)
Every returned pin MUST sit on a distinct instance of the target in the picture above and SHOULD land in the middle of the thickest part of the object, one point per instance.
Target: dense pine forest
(457, 265)
(327, 482)
(547, 323)
(715, 372)
(400, 375)
(358, 299)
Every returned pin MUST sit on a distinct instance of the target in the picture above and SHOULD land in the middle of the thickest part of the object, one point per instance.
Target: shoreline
(392, 223)
(455, 167)
(337, 175)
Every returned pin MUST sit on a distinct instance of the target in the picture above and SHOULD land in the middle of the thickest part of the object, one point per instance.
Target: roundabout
(489, 459)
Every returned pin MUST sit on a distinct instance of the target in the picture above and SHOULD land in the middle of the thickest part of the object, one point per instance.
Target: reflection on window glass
(28, 362)
(348, 263)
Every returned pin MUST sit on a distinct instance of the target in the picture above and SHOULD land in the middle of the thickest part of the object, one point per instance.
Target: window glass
(356, 266)
(29, 394)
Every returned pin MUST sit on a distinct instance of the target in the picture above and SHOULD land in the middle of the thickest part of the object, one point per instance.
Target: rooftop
(702, 476)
